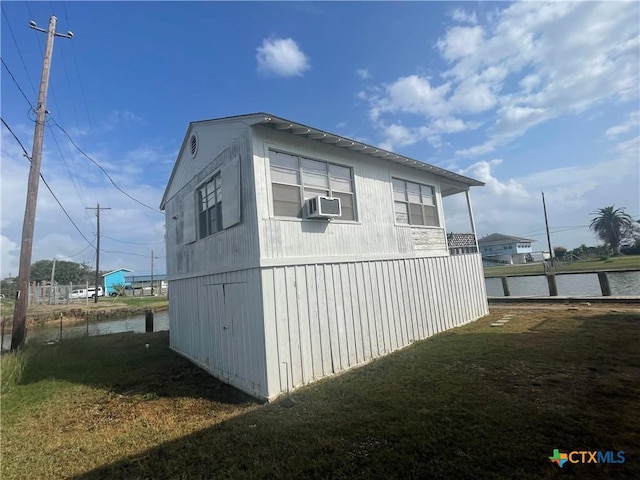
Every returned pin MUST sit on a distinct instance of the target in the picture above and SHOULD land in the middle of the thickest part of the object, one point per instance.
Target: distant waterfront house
(114, 278)
(499, 248)
(142, 284)
(294, 253)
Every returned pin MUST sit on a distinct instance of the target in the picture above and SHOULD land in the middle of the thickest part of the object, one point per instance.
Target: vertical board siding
(201, 308)
(327, 318)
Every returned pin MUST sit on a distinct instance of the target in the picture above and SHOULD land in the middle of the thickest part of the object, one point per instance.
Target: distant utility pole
(20, 311)
(546, 223)
(52, 288)
(97, 282)
(152, 273)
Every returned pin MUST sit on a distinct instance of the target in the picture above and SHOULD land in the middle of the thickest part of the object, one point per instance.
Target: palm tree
(609, 223)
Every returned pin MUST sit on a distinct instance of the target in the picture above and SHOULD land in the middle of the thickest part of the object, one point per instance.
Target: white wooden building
(265, 298)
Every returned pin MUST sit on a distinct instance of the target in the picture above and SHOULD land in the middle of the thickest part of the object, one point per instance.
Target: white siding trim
(317, 260)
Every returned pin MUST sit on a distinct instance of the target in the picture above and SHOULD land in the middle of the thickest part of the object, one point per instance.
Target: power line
(126, 253)
(26, 154)
(19, 52)
(45, 182)
(73, 181)
(66, 74)
(103, 170)
(82, 94)
(132, 243)
(81, 251)
(16, 82)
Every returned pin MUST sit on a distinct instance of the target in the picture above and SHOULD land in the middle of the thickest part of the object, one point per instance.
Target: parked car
(87, 293)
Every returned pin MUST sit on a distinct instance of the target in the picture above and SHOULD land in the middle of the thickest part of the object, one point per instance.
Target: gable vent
(193, 142)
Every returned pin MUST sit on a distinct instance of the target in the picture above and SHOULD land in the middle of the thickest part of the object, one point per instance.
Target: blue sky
(527, 97)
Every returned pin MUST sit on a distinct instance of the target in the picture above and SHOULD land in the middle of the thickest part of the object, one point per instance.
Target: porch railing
(461, 243)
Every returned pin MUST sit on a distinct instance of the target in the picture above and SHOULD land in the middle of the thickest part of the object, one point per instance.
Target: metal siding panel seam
(391, 314)
(303, 324)
(295, 365)
(315, 338)
(355, 295)
(348, 314)
(325, 325)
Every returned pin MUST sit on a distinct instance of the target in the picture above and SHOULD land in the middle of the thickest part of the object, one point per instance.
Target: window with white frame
(295, 179)
(414, 203)
(209, 198)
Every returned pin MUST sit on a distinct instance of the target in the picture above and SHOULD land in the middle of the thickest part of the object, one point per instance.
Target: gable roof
(117, 270)
(495, 238)
(294, 128)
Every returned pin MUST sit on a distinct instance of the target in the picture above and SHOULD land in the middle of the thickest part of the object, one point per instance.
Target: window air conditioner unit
(323, 207)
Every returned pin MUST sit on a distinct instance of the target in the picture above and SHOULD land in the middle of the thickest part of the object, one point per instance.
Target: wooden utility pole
(97, 279)
(152, 273)
(18, 334)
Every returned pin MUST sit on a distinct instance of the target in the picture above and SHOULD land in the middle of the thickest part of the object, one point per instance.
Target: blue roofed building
(113, 279)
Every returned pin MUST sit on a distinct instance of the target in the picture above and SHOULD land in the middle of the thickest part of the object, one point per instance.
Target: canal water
(579, 285)
(622, 283)
(51, 332)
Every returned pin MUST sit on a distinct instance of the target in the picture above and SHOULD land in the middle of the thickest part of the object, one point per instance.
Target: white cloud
(363, 73)
(282, 57)
(10, 257)
(487, 147)
(472, 96)
(528, 63)
(630, 125)
(78, 184)
(412, 94)
(483, 172)
(513, 206)
(122, 118)
(462, 16)
(461, 42)
(530, 82)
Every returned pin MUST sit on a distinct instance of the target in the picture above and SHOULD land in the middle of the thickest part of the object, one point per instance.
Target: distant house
(144, 284)
(499, 248)
(294, 253)
(114, 278)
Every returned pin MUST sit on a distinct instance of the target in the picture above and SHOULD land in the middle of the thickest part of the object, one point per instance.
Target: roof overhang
(299, 129)
(457, 183)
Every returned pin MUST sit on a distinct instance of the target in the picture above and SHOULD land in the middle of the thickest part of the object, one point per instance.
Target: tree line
(65, 273)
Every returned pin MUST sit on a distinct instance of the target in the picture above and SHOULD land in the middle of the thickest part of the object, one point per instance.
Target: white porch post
(473, 223)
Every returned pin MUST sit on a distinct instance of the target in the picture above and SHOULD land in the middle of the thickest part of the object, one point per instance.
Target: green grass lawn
(625, 262)
(475, 402)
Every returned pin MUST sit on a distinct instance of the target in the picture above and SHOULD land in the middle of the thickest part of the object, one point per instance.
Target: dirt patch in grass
(474, 402)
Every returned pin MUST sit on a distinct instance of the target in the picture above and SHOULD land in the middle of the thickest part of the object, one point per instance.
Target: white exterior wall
(319, 296)
(322, 319)
(216, 322)
(337, 294)
(215, 308)
(233, 248)
(374, 233)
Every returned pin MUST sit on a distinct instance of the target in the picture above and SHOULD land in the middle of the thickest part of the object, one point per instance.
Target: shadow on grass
(125, 365)
(471, 403)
